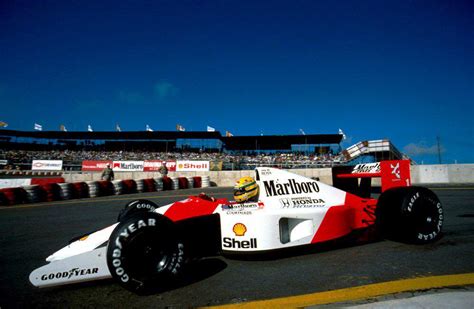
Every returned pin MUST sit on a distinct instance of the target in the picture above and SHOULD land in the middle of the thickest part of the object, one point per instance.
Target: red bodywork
(359, 213)
(355, 214)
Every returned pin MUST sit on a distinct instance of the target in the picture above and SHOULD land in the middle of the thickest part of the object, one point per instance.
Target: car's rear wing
(394, 173)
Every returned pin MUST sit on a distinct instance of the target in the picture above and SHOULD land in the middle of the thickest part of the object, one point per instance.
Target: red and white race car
(150, 245)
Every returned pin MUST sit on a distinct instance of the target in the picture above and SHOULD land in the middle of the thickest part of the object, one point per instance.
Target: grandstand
(372, 151)
(19, 148)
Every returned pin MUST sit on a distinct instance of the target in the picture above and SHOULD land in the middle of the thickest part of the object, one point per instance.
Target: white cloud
(418, 149)
(165, 90)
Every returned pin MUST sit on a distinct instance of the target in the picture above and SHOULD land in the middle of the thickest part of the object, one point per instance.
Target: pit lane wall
(443, 174)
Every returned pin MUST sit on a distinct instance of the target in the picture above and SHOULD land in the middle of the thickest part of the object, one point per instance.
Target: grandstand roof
(260, 142)
(103, 135)
(276, 142)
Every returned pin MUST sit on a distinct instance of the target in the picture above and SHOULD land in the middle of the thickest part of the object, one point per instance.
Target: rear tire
(145, 253)
(410, 214)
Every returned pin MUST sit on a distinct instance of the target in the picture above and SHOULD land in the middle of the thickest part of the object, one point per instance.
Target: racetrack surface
(29, 233)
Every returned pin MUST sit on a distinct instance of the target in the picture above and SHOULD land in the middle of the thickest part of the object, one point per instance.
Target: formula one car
(150, 245)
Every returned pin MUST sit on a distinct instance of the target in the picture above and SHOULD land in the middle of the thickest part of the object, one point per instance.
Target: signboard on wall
(47, 165)
(192, 166)
(154, 165)
(94, 166)
(128, 166)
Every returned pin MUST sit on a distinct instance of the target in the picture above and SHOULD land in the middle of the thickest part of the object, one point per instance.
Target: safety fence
(54, 189)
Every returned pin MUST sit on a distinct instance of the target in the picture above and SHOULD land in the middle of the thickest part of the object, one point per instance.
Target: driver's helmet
(246, 189)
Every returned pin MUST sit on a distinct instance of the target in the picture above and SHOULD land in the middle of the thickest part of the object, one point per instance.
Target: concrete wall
(443, 173)
(421, 174)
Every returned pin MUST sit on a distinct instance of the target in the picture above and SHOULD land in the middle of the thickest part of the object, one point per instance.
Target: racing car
(150, 245)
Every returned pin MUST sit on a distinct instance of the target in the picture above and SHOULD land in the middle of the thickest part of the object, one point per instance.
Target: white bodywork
(291, 210)
(289, 213)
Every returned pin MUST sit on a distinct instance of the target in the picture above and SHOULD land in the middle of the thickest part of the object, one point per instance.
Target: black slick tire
(136, 206)
(410, 214)
(145, 252)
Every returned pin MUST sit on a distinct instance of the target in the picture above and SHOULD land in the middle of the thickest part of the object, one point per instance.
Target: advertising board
(47, 165)
(154, 165)
(128, 166)
(94, 166)
(192, 166)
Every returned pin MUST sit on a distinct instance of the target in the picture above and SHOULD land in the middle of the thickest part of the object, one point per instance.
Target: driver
(246, 190)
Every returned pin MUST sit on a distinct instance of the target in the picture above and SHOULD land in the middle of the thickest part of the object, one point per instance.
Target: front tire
(145, 252)
(136, 206)
(410, 214)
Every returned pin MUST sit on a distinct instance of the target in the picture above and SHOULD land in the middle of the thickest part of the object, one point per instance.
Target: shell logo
(180, 165)
(239, 229)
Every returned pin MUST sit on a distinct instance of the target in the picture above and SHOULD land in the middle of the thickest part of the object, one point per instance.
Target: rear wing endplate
(394, 173)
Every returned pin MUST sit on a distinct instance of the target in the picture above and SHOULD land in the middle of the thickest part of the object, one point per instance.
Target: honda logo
(285, 203)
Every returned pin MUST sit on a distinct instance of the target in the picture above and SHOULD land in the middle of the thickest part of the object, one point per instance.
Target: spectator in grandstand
(107, 173)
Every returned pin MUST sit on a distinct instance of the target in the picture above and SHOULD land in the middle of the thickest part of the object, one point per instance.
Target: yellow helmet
(245, 189)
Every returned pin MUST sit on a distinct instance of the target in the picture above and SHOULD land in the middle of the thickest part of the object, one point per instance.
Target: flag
(62, 128)
(148, 128)
(342, 133)
(3, 124)
(228, 134)
(210, 129)
(38, 127)
(180, 128)
(89, 128)
(117, 128)
(302, 132)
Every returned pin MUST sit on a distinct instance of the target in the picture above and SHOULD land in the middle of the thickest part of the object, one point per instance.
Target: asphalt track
(29, 233)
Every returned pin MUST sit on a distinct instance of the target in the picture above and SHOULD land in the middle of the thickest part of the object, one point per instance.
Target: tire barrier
(205, 181)
(183, 183)
(149, 185)
(13, 196)
(129, 186)
(3, 199)
(197, 181)
(47, 191)
(167, 183)
(190, 182)
(65, 190)
(140, 185)
(33, 193)
(51, 191)
(93, 188)
(106, 188)
(174, 183)
(118, 187)
(158, 184)
(79, 190)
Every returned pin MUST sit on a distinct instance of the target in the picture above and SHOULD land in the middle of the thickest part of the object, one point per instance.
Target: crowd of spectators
(229, 161)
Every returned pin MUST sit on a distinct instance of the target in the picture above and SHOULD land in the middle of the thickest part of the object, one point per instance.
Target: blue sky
(402, 70)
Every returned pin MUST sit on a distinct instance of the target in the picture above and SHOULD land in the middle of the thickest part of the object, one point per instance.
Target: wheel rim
(147, 255)
(426, 216)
